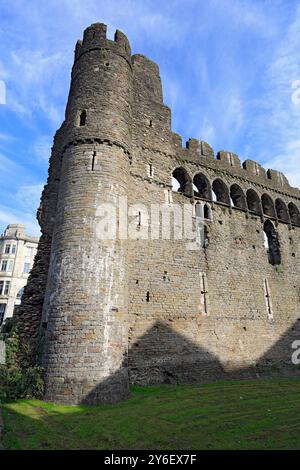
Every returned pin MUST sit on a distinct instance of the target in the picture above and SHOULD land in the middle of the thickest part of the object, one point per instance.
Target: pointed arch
(272, 243)
(202, 186)
(281, 210)
(221, 191)
(184, 181)
(253, 201)
(238, 197)
(294, 213)
(268, 205)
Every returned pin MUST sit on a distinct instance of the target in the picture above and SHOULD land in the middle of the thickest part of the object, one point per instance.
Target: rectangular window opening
(26, 268)
(4, 266)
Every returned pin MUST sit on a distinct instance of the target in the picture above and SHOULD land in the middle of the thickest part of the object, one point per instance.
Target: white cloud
(28, 196)
(34, 80)
(288, 162)
(15, 216)
(208, 132)
(42, 148)
(8, 166)
(280, 117)
(23, 210)
(6, 137)
(242, 14)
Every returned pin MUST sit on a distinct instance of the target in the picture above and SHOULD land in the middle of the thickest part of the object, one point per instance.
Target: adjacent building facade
(17, 252)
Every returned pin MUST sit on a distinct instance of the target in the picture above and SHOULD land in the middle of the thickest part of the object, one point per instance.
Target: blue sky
(228, 69)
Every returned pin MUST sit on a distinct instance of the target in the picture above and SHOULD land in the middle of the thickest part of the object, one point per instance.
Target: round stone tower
(85, 308)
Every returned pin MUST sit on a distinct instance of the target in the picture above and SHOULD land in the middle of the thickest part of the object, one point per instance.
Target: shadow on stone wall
(163, 356)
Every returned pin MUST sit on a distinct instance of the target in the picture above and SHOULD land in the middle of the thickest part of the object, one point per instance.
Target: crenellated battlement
(148, 97)
(95, 37)
(199, 151)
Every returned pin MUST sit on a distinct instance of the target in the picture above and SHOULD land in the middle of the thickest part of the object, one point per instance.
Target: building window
(13, 249)
(20, 293)
(271, 242)
(2, 312)
(7, 249)
(82, 118)
(207, 212)
(10, 266)
(26, 268)
(4, 287)
(4, 266)
(29, 251)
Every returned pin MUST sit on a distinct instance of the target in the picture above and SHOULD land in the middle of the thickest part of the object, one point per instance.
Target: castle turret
(85, 308)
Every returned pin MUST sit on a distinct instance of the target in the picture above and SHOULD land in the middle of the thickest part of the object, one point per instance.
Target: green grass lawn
(262, 414)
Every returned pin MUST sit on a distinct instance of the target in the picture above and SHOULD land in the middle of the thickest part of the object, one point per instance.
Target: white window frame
(10, 266)
(4, 262)
(5, 288)
(29, 251)
(24, 271)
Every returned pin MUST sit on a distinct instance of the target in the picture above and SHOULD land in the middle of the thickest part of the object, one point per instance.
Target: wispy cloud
(9, 215)
(227, 69)
(28, 196)
(42, 148)
(277, 124)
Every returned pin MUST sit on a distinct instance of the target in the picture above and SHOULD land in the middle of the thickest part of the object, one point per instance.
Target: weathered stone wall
(171, 312)
(172, 335)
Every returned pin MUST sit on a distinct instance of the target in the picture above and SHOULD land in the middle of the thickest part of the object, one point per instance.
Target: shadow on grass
(221, 415)
(163, 356)
(228, 414)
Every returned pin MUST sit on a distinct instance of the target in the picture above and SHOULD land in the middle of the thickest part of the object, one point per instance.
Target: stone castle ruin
(127, 310)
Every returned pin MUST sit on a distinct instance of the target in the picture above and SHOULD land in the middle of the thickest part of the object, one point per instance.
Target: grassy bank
(262, 414)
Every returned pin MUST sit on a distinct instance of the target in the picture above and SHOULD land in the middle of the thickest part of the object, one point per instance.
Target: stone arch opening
(220, 192)
(203, 211)
(202, 187)
(294, 213)
(238, 197)
(181, 182)
(253, 201)
(272, 243)
(268, 205)
(281, 210)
